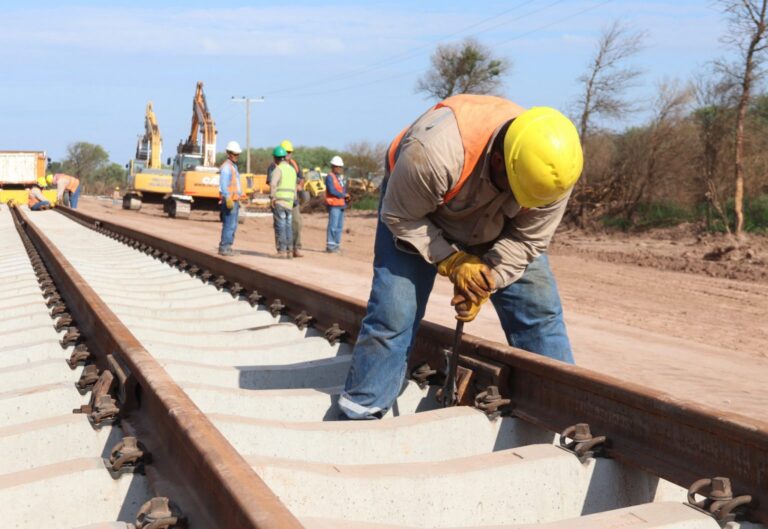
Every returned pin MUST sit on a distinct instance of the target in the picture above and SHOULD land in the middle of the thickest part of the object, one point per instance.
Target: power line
(404, 56)
(507, 41)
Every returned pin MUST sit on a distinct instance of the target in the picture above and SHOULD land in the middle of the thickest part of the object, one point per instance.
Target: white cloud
(243, 31)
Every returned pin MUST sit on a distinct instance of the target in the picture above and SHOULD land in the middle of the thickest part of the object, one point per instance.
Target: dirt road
(695, 337)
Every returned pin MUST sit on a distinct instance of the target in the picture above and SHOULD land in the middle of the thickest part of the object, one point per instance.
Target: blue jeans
(335, 227)
(228, 225)
(39, 205)
(529, 310)
(283, 217)
(75, 197)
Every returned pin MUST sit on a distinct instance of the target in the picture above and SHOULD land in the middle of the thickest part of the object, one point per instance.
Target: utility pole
(248, 101)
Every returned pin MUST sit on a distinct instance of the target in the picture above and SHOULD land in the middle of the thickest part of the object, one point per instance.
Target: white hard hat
(234, 147)
(337, 161)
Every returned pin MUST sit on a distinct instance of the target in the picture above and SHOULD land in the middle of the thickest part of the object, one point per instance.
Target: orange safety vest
(232, 181)
(331, 200)
(478, 117)
(73, 183)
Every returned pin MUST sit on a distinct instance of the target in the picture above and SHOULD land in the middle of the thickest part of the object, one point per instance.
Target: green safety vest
(286, 189)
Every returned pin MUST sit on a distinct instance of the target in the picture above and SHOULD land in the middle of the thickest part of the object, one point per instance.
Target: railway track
(228, 377)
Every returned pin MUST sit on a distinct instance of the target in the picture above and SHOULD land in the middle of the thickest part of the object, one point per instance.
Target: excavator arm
(202, 123)
(150, 145)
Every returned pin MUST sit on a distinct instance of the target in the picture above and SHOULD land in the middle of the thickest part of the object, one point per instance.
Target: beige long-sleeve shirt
(481, 218)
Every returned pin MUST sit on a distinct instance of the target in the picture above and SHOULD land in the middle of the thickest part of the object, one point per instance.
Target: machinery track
(229, 376)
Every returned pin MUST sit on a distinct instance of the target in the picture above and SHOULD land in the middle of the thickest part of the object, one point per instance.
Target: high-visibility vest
(234, 181)
(32, 199)
(331, 200)
(478, 117)
(286, 189)
(73, 184)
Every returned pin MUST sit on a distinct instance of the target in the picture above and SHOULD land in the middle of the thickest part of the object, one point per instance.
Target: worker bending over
(282, 192)
(229, 191)
(67, 189)
(474, 190)
(336, 199)
(36, 200)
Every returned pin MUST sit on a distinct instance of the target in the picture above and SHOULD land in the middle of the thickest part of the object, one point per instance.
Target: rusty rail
(192, 463)
(676, 440)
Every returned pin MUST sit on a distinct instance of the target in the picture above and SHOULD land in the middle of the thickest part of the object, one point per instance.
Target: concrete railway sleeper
(264, 360)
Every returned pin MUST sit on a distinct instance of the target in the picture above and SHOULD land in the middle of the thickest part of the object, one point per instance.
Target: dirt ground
(656, 310)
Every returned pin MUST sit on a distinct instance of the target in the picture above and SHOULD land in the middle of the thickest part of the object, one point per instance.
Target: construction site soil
(680, 313)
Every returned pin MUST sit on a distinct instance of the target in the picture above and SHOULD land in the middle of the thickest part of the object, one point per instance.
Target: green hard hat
(279, 152)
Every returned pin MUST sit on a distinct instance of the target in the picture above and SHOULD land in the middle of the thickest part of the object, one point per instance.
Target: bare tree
(467, 67)
(604, 85)
(714, 120)
(747, 21)
(655, 152)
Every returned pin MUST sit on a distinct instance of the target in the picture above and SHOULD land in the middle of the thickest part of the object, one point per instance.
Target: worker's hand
(272, 202)
(347, 198)
(230, 203)
(466, 311)
(471, 276)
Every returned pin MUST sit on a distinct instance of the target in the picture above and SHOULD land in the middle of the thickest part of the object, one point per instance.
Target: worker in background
(74, 188)
(36, 200)
(474, 190)
(229, 194)
(296, 223)
(336, 199)
(282, 192)
(116, 196)
(49, 180)
(64, 185)
(41, 181)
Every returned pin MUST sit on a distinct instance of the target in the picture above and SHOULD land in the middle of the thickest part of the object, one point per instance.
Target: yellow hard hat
(287, 145)
(543, 156)
(49, 178)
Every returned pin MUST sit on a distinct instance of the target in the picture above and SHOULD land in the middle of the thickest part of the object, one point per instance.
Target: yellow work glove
(466, 311)
(230, 203)
(471, 276)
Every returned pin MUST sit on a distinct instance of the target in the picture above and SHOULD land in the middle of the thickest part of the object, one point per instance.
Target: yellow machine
(314, 183)
(19, 170)
(147, 180)
(195, 175)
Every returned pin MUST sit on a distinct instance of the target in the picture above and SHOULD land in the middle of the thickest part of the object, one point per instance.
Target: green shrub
(366, 202)
(662, 214)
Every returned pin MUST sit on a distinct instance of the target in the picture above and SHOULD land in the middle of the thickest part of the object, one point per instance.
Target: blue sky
(331, 73)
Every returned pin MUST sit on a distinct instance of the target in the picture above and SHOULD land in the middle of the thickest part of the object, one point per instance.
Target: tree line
(699, 156)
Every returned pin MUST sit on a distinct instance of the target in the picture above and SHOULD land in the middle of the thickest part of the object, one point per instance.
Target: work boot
(226, 252)
(297, 253)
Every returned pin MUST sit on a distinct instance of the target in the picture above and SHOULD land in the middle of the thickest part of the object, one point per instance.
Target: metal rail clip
(718, 501)
(335, 334)
(127, 457)
(159, 513)
(491, 402)
(582, 442)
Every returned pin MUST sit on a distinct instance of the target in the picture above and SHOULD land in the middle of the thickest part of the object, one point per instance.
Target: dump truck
(195, 175)
(147, 180)
(19, 170)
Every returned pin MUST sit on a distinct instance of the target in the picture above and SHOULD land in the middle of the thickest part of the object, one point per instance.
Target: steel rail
(192, 462)
(677, 440)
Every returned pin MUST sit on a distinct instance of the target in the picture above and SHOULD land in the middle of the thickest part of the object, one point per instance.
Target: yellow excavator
(147, 180)
(195, 175)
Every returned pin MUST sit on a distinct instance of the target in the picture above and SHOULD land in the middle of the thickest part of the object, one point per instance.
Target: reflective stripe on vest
(331, 200)
(286, 190)
(477, 117)
(73, 184)
(234, 180)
